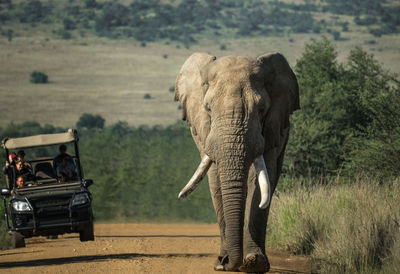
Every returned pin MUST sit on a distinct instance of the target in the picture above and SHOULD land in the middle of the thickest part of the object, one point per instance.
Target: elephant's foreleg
(254, 233)
(254, 257)
(255, 219)
(216, 196)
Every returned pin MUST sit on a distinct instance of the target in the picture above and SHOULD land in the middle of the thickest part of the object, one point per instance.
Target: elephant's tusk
(197, 177)
(263, 181)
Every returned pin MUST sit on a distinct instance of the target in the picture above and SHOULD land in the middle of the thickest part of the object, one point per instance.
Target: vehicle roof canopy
(41, 140)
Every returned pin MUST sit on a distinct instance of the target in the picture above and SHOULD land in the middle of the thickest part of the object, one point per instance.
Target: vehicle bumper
(30, 225)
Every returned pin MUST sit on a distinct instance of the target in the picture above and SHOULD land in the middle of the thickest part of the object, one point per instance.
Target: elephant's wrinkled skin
(238, 109)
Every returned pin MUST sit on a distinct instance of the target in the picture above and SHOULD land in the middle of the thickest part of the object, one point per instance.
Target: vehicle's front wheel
(87, 234)
(17, 240)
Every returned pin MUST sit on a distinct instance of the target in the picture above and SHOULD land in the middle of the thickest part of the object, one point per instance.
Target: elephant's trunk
(233, 176)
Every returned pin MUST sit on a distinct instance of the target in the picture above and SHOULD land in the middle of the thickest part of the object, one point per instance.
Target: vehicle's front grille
(52, 202)
(51, 209)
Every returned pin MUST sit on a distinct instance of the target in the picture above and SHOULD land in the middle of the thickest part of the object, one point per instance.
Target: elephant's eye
(207, 107)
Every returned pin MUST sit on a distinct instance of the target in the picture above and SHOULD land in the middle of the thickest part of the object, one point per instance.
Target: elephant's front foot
(219, 263)
(222, 264)
(255, 263)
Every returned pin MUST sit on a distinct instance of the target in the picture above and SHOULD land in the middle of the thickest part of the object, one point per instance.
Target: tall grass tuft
(344, 228)
(5, 239)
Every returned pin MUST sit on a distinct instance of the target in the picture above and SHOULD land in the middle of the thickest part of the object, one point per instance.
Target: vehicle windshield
(43, 165)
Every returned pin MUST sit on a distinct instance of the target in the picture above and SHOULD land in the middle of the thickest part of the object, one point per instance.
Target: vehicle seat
(44, 171)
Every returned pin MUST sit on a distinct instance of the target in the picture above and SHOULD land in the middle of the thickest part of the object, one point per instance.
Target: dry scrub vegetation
(110, 78)
(344, 228)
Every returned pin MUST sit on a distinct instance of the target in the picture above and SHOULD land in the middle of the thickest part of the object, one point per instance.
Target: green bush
(64, 34)
(10, 33)
(336, 35)
(147, 96)
(69, 24)
(38, 77)
(90, 121)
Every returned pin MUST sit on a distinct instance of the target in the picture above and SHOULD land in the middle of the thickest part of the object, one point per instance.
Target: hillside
(103, 64)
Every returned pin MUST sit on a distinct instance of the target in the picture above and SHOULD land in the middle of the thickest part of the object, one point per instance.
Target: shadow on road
(157, 236)
(95, 258)
(22, 252)
(286, 271)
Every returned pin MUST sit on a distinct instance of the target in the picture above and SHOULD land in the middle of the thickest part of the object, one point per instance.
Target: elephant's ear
(281, 84)
(190, 88)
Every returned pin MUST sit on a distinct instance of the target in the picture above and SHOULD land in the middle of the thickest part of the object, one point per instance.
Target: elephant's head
(238, 109)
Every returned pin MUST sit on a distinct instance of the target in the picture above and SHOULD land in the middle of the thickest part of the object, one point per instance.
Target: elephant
(238, 111)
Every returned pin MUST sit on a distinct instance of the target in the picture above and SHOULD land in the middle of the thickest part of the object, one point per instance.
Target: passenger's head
(12, 157)
(19, 164)
(21, 155)
(63, 149)
(20, 181)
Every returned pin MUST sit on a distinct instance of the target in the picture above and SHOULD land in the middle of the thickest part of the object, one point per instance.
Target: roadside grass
(5, 239)
(344, 228)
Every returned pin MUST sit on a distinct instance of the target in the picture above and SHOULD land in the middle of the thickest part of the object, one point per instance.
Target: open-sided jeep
(46, 205)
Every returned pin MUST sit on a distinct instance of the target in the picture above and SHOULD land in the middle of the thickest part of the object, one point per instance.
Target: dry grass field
(111, 77)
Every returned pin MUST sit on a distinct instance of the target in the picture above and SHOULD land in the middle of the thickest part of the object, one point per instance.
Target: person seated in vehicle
(63, 154)
(21, 157)
(66, 170)
(20, 182)
(7, 169)
(24, 169)
(11, 162)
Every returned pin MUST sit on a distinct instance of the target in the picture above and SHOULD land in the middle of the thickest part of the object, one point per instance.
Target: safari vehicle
(46, 206)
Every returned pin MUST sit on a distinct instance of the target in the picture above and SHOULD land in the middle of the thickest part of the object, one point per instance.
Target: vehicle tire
(87, 234)
(17, 240)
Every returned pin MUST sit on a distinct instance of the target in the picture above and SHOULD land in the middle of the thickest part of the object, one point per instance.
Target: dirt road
(133, 248)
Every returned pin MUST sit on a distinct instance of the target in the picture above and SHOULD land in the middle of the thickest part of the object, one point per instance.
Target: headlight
(21, 206)
(80, 199)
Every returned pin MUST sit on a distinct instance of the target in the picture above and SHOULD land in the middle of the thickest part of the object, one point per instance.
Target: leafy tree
(349, 115)
(69, 24)
(375, 149)
(34, 11)
(27, 128)
(90, 3)
(319, 127)
(112, 15)
(90, 121)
